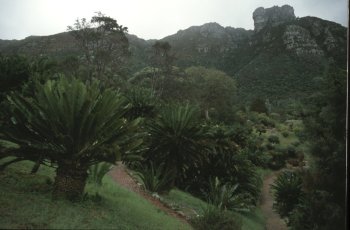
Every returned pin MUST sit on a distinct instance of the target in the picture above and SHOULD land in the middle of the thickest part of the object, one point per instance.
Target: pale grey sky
(150, 18)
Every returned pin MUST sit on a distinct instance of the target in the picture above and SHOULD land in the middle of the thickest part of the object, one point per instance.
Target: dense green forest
(203, 132)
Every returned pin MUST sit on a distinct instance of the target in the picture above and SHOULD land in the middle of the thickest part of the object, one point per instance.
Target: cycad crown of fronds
(69, 118)
(179, 119)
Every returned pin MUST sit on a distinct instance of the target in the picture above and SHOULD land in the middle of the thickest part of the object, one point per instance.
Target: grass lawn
(25, 202)
(187, 203)
(253, 221)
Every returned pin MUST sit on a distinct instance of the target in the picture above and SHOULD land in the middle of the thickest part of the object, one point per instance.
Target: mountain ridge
(282, 50)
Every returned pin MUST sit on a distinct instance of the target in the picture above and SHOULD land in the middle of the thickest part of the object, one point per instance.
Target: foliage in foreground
(324, 204)
(217, 219)
(226, 196)
(315, 211)
(175, 138)
(98, 171)
(287, 188)
(73, 125)
(155, 178)
(26, 200)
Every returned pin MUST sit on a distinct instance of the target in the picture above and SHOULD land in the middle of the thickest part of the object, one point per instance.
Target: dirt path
(273, 220)
(120, 174)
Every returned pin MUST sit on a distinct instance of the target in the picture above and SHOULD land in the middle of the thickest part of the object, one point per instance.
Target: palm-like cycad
(288, 191)
(176, 139)
(73, 125)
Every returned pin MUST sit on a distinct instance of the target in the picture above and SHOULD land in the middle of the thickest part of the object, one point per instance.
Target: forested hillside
(277, 61)
(198, 124)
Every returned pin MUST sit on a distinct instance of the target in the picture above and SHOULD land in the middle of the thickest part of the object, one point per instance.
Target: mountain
(280, 59)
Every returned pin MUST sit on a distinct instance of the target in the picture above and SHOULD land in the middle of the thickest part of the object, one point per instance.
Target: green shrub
(226, 196)
(258, 158)
(155, 179)
(314, 211)
(142, 101)
(287, 191)
(176, 139)
(14, 71)
(300, 155)
(216, 219)
(98, 171)
(73, 125)
(274, 139)
(277, 160)
(302, 136)
(262, 119)
(285, 133)
(270, 146)
(291, 151)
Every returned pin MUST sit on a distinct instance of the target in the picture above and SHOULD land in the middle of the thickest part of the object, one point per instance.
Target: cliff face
(208, 37)
(272, 16)
(299, 40)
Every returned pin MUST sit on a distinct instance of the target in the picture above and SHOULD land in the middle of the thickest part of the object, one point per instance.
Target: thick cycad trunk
(70, 181)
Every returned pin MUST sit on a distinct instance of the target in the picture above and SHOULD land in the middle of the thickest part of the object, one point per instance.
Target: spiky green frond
(69, 119)
(176, 137)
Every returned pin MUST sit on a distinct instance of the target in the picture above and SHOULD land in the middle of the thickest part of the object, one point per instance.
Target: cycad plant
(225, 196)
(175, 139)
(74, 125)
(288, 191)
(224, 159)
(142, 102)
(98, 171)
(155, 179)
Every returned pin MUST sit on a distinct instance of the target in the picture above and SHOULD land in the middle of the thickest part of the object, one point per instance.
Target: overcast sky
(149, 18)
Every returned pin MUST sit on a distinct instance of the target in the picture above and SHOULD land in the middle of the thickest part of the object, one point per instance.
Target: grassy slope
(25, 202)
(186, 203)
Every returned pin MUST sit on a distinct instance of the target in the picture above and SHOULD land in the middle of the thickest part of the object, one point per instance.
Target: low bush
(287, 191)
(291, 151)
(270, 146)
(216, 219)
(226, 196)
(258, 158)
(274, 139)
(285, 133)
(98, 171)
(314, 211)
(155, 179)
(278, 159)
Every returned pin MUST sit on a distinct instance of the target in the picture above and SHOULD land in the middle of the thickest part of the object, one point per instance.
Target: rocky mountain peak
(212, 28)
(272, 16)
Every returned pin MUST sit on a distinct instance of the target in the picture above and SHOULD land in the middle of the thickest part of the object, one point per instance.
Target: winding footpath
(121, 176)
(273, 220)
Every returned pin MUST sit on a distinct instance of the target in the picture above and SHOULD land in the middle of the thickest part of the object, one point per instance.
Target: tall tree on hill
(162, 57)
(161, 60)
(215, 91)
(103, 43)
